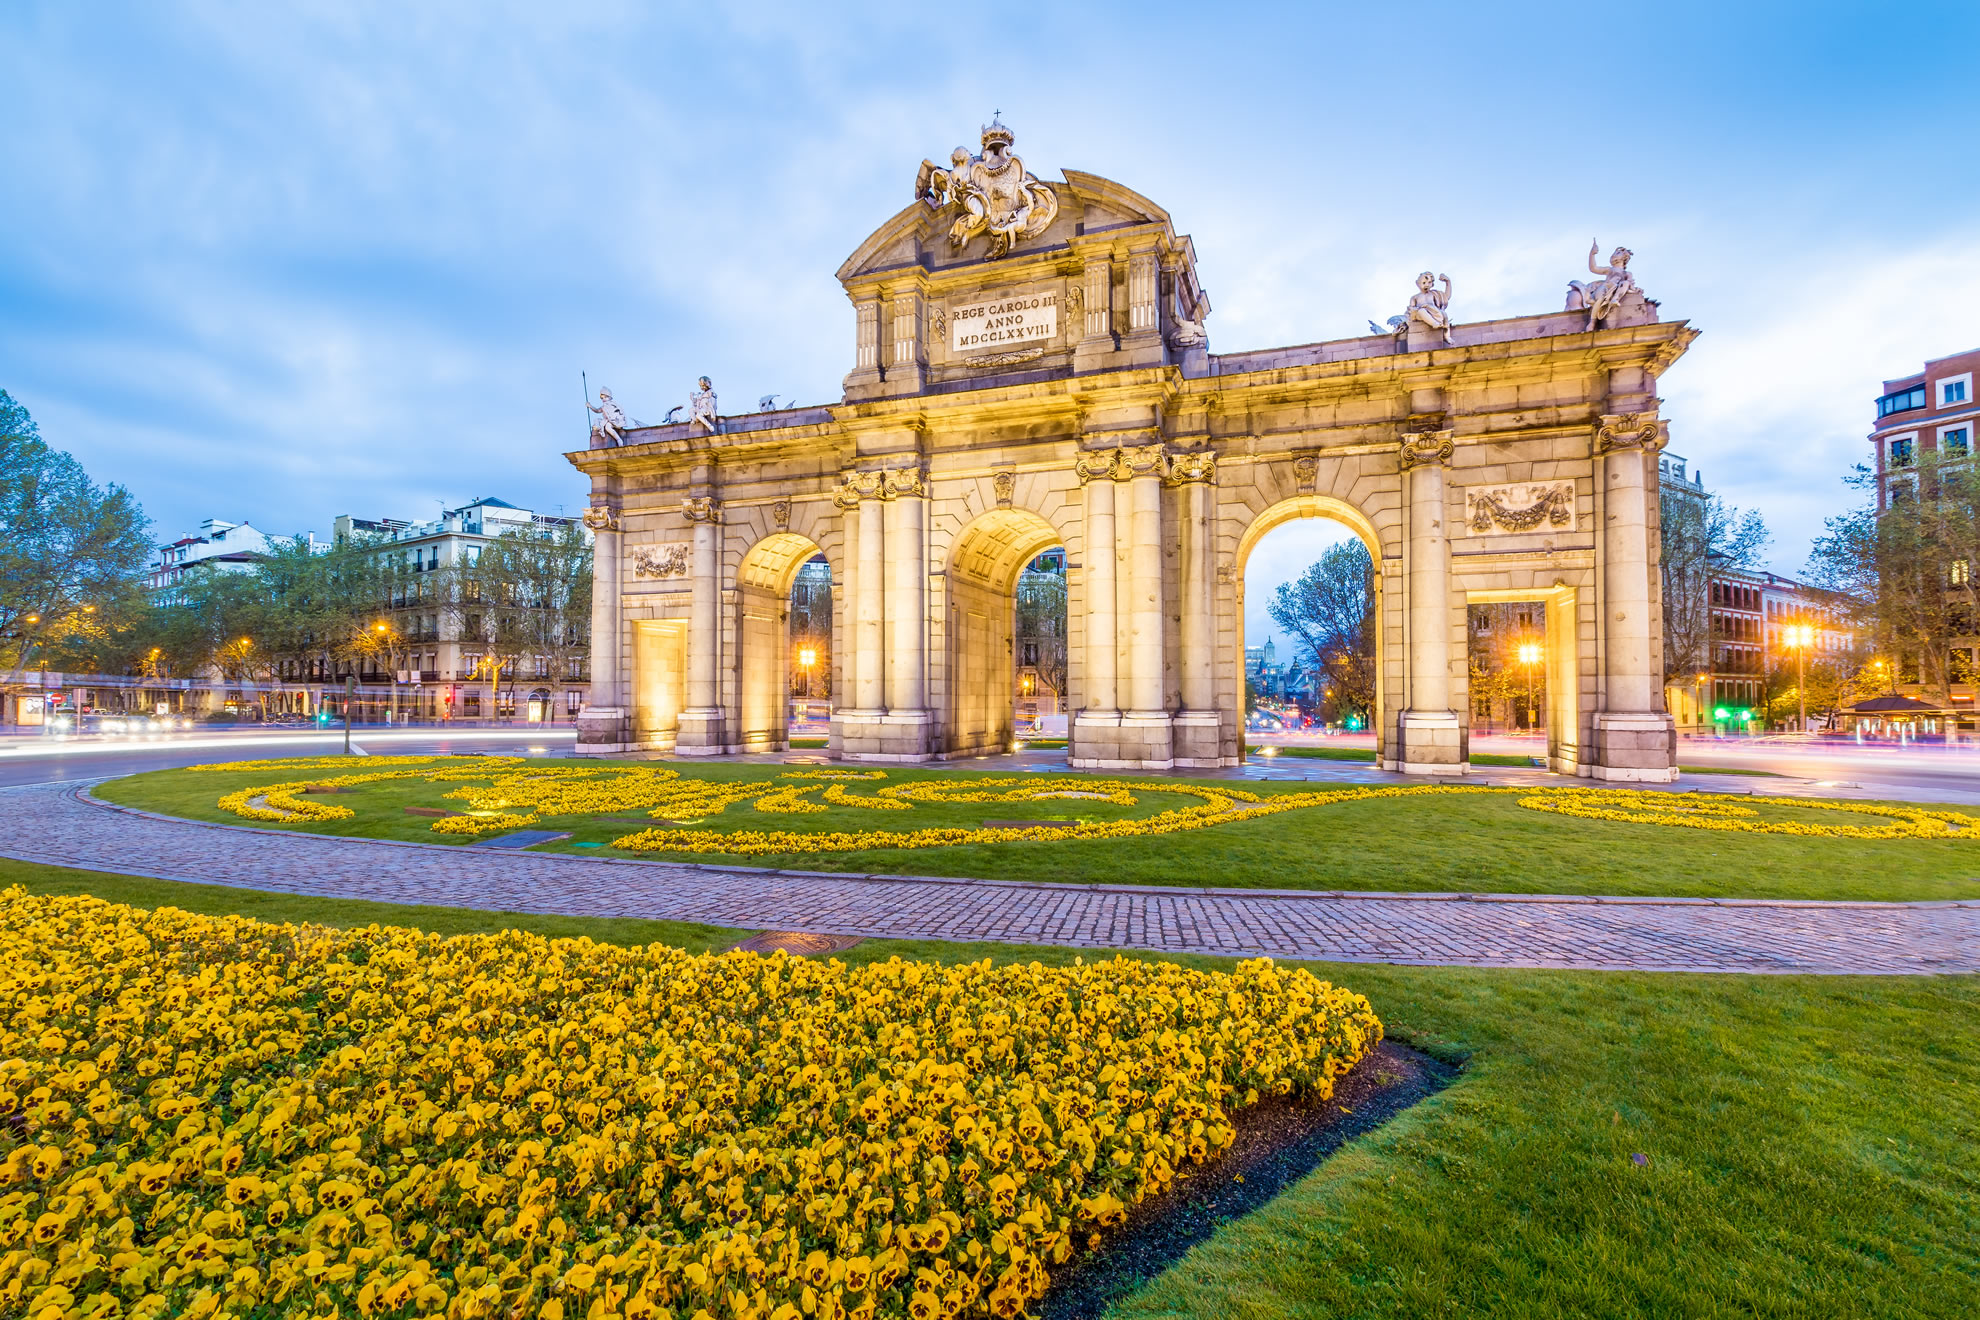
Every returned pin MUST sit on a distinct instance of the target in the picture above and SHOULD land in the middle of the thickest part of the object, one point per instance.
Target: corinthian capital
(601, 519)
(1097, 464)
(701, 508)
(1197, 465)
(1424, 447)
(1145, 460)
(904, 481)
(1637, 430)
(855, 486)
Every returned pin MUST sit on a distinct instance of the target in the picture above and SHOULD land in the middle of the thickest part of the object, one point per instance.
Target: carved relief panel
(1509, 510)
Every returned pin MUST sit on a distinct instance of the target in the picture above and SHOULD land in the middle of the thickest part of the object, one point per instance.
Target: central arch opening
(1006, 582)
(1309, 643)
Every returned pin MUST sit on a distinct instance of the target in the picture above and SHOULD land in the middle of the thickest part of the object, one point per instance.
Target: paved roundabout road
(62, 825)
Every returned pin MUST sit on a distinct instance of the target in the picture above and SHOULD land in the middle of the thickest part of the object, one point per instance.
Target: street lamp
(807, 657)
(1529, 655)
(1800, 636)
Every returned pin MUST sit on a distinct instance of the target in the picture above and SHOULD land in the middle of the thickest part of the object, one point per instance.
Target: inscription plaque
(1006, 322)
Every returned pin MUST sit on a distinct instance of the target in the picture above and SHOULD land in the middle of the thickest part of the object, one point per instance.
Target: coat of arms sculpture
(991, 193)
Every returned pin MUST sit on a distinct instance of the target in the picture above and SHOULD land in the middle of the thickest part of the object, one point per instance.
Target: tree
(68, 548)
(1904, 574)
(1041, 625)
(811, 627)
(1701, 535)
(1330, 613)
(526, 596)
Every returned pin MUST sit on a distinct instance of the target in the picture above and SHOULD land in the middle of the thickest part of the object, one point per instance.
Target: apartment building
(1932, 411)
(218, 546)
(442, 671)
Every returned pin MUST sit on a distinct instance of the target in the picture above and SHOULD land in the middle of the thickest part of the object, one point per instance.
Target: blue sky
(285, 262)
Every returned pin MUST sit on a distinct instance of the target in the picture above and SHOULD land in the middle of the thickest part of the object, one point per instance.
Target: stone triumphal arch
(1030, 370)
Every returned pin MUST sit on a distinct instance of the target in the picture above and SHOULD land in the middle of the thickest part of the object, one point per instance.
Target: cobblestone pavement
(61, 825)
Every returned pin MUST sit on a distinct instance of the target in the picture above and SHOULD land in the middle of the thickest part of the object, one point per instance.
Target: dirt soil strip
(1278, 1143)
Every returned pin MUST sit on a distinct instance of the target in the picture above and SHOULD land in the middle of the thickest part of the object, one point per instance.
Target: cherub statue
(935, 185)
(701, 409)
(1430, 307)
(611, 423)
(1603, 296)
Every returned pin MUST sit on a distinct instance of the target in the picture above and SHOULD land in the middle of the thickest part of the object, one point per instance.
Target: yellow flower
(398, 1102)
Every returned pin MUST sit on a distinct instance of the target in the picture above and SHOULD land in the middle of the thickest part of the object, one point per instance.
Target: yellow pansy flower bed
(510, 792)
(1701, 811)
(204, 1116)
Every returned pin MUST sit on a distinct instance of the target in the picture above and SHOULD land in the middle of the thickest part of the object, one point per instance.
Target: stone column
(1197, 725)
(870, 610)
(1145, 725)
(1634, 736)
(701, 724)
(908, 717)
(1096, 726)
(602, 725)
(1096, 341)
(1429, 734)
(863, 380)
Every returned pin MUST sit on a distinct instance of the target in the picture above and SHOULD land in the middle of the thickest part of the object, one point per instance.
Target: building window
(1955, 389)
(1953, 443)
(1902, 401)
(1900, 453)
(1962, 572)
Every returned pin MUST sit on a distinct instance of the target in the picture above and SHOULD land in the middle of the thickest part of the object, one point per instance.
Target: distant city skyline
(275, 267)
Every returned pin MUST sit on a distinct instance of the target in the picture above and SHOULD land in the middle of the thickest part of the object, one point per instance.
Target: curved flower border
(512, 792)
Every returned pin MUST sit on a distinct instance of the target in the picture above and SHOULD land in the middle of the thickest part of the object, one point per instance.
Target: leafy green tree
(1700, 535)
(71, 552)
(525, 603)
(1904, 573)
(1041, 625)
(1329, 611)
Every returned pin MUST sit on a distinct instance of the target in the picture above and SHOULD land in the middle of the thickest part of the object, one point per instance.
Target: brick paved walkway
(59, 824)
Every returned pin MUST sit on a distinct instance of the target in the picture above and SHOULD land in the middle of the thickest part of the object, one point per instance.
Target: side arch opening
(783, 629)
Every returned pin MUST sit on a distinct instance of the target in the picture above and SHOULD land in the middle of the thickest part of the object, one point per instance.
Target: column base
(1198, 740)
(1428, 742)
(1128, 740)
(883, 735)
(700, 733)
(1634, 748)
(603, 731)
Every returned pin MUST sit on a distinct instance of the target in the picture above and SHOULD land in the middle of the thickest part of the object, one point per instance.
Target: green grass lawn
(1457, 841)
(1809, 1140)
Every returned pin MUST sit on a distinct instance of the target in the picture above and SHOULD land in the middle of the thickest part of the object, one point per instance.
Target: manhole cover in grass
(795, 942)
(522, 839)
(1278, 1143)
(328, 788)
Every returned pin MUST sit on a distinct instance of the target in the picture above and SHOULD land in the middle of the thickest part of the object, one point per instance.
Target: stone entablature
(1510, 464)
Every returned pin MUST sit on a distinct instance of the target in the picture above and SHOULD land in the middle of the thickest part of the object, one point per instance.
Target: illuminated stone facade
(1063, 394)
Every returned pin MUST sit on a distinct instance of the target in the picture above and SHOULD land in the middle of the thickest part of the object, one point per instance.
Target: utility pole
(350, 695)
